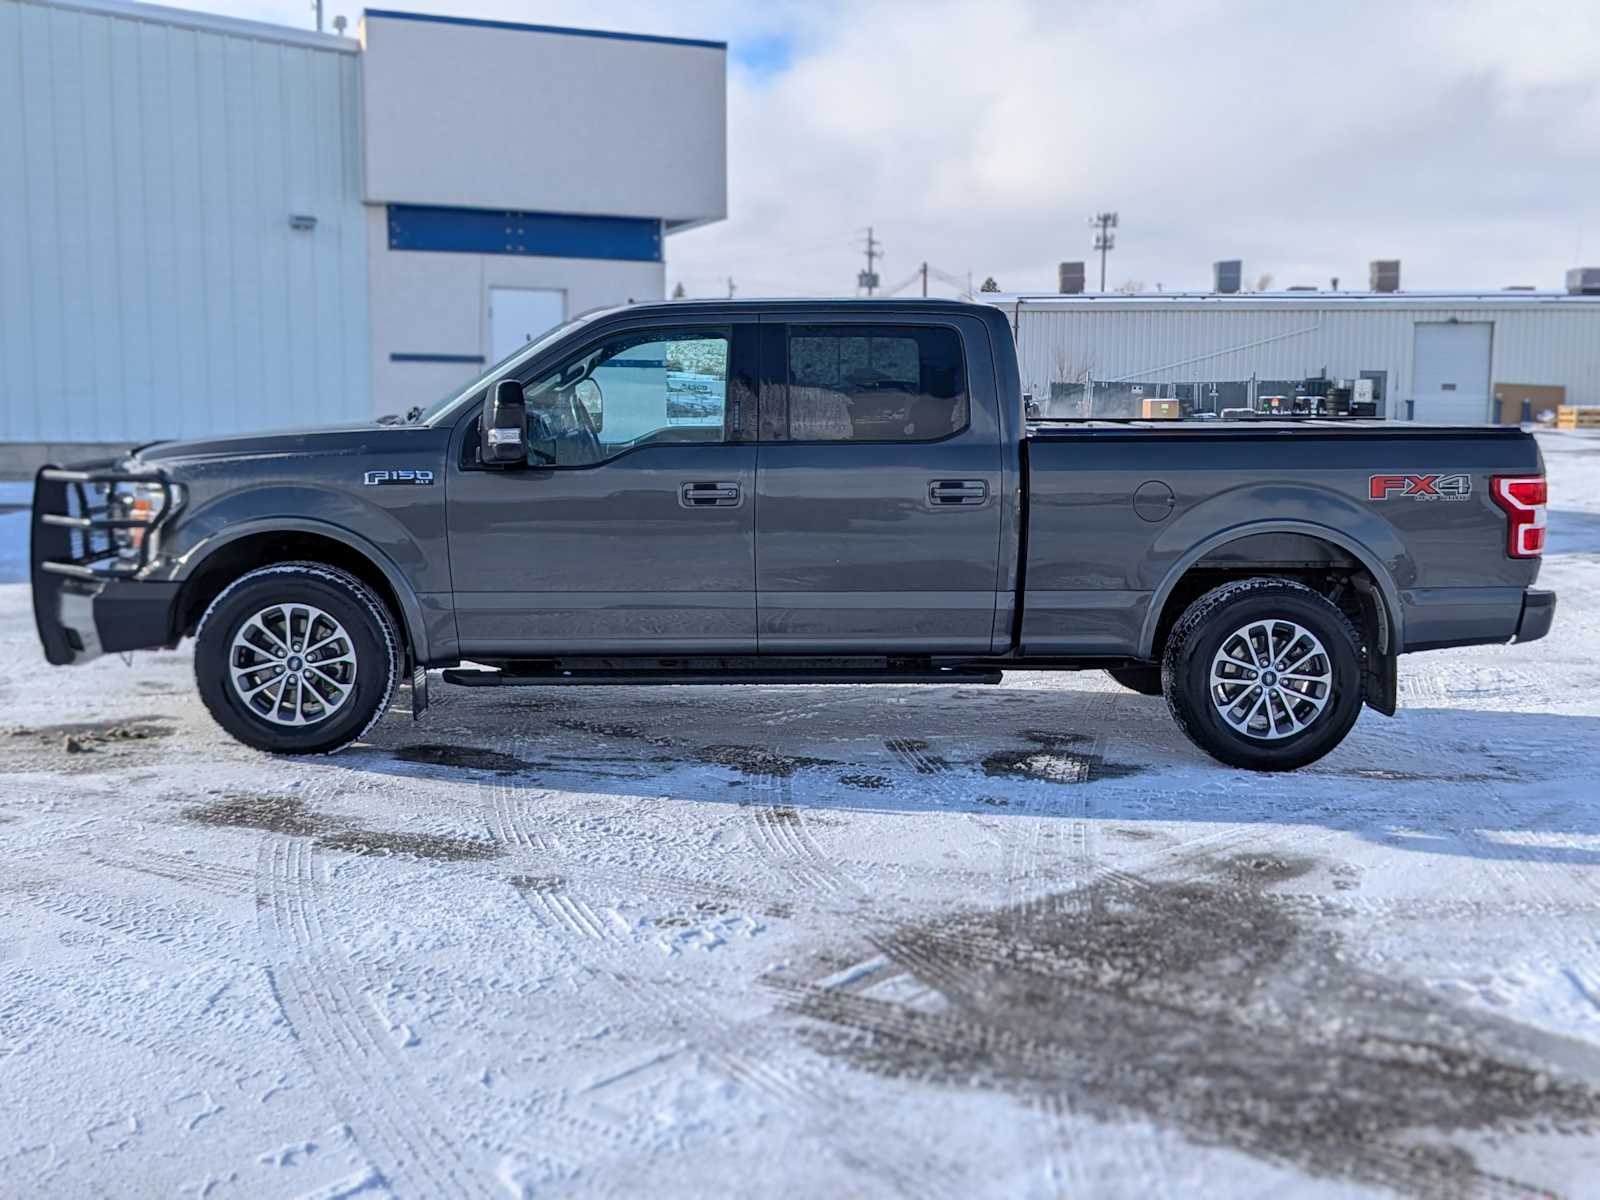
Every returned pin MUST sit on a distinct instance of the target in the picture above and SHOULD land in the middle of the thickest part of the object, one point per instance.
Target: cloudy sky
(979, 135)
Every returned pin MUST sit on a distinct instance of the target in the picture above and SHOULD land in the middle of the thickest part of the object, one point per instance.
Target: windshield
(463, 392)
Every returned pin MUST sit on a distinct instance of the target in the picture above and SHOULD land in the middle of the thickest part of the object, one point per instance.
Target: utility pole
(1104, 239)
(731, 288)
(317, 6)
(868, 279)
(924, 281)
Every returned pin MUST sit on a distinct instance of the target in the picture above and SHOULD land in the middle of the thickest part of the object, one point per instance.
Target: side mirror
(504, 428)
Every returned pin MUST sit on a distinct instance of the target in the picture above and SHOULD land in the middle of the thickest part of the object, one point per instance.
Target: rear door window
(873, 383)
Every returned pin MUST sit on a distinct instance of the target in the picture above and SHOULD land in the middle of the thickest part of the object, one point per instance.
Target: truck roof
(843, 304)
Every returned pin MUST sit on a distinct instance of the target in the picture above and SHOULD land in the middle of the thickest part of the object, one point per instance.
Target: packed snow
(1012, 941)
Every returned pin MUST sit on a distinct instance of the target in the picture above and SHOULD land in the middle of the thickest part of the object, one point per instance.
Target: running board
(467, 677)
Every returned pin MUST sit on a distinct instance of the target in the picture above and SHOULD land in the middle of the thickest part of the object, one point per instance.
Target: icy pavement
(1014, 941)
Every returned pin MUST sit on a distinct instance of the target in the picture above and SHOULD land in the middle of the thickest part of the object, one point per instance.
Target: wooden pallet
(1570, 416)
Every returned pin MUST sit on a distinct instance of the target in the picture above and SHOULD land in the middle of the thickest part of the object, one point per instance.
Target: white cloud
(1306, 138)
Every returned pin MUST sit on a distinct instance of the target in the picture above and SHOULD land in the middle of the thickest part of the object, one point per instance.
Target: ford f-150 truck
(786, 491)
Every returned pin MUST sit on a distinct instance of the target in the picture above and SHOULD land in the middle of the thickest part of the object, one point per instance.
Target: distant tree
(1264, 282)
(678, 293)
(989, 285)
(1132, 286)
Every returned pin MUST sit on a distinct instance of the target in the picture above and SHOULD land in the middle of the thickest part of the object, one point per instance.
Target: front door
(879, 490)
(630, 530)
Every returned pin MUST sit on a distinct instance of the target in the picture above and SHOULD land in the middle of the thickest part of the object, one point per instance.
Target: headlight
(137, 501)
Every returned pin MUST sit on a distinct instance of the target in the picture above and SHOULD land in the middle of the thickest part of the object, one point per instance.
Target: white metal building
(210, 225)
(1438, 357)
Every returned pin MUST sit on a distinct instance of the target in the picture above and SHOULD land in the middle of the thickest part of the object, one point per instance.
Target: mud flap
(419, 692)
(1380, 681)
(1380, 677)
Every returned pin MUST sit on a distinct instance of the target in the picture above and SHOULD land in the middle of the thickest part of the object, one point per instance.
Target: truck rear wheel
(297, 658)
(1144, 680)
(1264, 674)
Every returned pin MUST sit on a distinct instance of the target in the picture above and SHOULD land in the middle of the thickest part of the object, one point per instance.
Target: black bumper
(81, 619)
(1538, 610)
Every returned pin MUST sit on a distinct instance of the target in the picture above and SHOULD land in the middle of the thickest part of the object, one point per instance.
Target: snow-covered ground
(1014, 941)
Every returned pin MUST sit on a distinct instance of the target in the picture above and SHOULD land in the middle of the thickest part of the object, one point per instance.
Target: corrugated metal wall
(150, 284)
(1535, 341)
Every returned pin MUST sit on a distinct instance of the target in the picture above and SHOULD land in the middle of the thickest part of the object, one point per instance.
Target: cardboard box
(1161, 410)
(1541, 397)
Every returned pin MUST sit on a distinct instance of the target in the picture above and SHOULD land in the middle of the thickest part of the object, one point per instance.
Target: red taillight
(1523, 497)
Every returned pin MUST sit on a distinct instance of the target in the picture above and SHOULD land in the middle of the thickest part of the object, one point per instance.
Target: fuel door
(1154, 501)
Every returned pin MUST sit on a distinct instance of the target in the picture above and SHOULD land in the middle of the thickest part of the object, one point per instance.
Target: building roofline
(1464, 299)
(184, 18)
(565, 30)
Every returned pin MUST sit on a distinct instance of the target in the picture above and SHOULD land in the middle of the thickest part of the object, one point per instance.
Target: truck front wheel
(297, 658)
(1264, 674)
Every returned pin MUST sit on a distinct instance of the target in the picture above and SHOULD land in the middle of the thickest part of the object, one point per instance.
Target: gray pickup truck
(811, 492)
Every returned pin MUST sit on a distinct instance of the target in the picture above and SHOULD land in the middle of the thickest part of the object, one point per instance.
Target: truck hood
(327, 439)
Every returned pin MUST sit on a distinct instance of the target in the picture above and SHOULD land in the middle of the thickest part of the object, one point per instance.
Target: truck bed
(1071, 428)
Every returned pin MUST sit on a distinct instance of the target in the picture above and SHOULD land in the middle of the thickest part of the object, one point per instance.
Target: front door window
(645, 388)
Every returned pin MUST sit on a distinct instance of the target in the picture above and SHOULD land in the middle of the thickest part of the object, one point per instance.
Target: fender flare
(410, 607)
(1386, 585)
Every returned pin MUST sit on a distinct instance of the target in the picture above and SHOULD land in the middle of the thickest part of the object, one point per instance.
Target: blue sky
(1461, 136)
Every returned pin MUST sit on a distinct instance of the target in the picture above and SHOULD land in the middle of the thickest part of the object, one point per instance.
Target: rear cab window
(870, 383)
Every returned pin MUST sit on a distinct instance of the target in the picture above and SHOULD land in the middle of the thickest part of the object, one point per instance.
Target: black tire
(1144, 680)
(1216, 617)
(365, 618)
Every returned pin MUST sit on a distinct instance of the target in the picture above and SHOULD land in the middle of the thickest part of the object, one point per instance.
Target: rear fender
(1315, 512)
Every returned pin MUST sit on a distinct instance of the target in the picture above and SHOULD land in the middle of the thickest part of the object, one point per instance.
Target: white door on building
(1450, 372)
(518, 315)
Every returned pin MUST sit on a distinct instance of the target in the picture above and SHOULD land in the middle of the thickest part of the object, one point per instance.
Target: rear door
(630, 529)
(878, 487)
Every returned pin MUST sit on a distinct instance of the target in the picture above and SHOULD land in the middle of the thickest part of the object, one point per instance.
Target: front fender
(1294, 508)
(383, 540)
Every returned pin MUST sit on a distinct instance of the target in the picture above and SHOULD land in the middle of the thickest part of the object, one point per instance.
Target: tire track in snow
(364, 1075)
(801, 1094)
(780, 836)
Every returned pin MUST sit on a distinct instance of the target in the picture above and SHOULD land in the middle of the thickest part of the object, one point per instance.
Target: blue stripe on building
(547, 235)
(437, 358)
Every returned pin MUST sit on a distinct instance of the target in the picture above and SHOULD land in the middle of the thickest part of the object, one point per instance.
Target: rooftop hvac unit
(1385, 275)
(1225, 276)
(1071, 277)
(1583, 281)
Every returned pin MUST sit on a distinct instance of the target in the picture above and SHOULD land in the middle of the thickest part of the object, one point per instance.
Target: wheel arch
(1206, 556)
(215, 564)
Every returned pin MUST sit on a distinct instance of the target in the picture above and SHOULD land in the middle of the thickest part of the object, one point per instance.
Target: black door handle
(947, 492)
(709, 495)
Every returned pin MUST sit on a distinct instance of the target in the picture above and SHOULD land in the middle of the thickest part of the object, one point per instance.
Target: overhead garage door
(1450, 372)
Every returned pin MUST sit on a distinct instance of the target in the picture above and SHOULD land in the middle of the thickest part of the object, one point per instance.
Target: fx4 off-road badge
(1419, 487)
(376, 478)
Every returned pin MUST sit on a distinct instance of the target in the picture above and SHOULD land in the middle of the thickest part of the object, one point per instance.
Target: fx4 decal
(1419, 487)
(375, 478)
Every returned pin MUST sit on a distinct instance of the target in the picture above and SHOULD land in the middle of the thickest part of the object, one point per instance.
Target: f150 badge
(377, 478)
(1419, 487)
